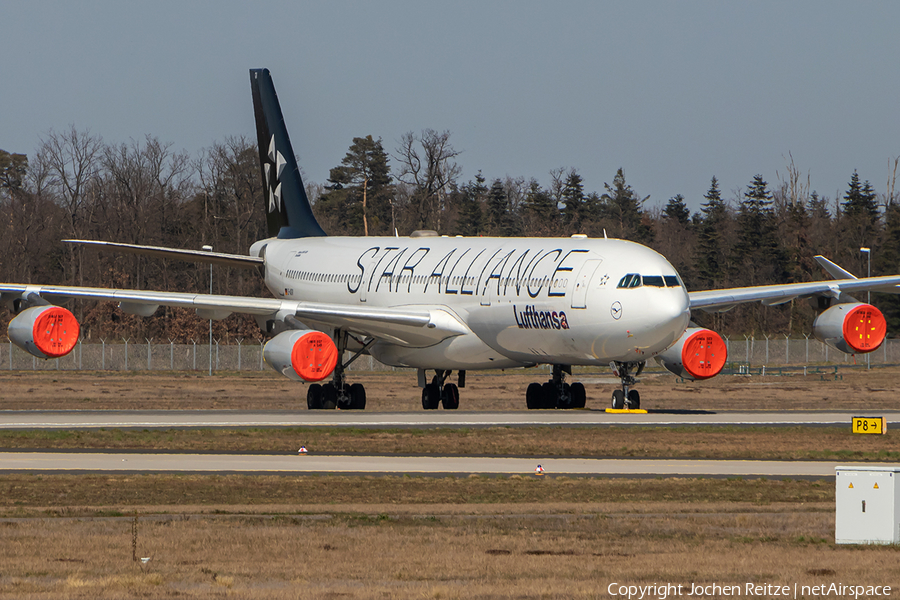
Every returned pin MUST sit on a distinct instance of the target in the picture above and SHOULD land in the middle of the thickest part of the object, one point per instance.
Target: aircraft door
(583, 282)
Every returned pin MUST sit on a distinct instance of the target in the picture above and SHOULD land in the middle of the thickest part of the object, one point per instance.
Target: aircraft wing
(771, 295)
(418, 326)
(201, 256)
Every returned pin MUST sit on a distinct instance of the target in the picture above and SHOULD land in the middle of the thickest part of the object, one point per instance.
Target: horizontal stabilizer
(200, 256)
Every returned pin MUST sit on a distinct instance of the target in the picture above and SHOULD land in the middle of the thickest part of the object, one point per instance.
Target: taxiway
(536, 418)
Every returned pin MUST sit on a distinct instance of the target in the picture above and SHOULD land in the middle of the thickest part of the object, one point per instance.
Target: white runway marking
(92, 461)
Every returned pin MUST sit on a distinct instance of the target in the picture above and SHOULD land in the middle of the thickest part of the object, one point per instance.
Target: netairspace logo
(758, 590)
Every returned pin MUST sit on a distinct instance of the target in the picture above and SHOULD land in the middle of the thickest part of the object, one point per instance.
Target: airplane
(437, 303)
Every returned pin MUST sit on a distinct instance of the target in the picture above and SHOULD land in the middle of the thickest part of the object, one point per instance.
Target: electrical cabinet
(867, 505)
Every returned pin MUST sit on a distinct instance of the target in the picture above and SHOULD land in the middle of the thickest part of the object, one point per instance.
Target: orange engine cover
(698, 354)
(45, 331)
(854, 328)
(302, 355)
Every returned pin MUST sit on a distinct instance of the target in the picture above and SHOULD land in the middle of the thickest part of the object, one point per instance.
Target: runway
(90, 461)
(428, 419)
(414, 465)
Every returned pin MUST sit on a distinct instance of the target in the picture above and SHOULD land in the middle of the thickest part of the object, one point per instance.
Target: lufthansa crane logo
(616, 310)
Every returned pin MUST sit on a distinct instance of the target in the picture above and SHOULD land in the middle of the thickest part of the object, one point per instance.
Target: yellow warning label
(877, 425)
(851, 486)
(876, 486)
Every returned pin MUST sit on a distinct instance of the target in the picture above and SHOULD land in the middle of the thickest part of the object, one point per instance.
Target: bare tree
(72, 158)
(426, 163)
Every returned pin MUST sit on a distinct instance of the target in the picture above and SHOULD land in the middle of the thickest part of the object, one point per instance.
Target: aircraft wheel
(579, 395)
(431, 396)
(534, 397)
(634, 399)
(344, 402)
(450, 397)
(314, 397)
(357, 396)
(548, 391)
(618, 399)
(329, 396)
(565, 401)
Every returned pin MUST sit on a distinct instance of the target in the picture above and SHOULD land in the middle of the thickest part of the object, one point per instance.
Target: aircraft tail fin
(288, 212)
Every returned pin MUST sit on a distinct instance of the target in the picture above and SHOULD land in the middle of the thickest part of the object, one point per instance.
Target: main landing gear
(439, 392)
(626, 395)
(338, 393)
(556, 393)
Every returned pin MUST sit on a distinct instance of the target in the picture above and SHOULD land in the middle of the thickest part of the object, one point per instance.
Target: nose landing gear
(626, 396)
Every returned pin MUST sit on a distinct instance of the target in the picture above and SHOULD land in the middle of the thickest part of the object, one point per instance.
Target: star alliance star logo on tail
(278, 163)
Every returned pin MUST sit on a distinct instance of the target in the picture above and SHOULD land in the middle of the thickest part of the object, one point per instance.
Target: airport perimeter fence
(151, 356)
(121, 355)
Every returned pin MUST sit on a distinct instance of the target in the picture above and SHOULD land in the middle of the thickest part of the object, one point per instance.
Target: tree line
(77, 186)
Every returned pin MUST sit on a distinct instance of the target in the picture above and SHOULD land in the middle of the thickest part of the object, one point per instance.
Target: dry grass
(546, 554)
(392, 391)
(28, 494)
(770, 443)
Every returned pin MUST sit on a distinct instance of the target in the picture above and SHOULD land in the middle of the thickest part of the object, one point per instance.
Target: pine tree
(540, 210)
(470, 220)
(677, 211)
(859, 222)
(360, 188)
(499, 218)
(623, 207)
(573, 201)
(860, 200)
(709, 239)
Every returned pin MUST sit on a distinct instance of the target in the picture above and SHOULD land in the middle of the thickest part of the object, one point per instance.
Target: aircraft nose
(672, 314)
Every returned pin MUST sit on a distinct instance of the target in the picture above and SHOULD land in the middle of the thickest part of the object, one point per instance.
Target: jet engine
(854, 328)
(301, 354)
(44, 331)
(698, 354)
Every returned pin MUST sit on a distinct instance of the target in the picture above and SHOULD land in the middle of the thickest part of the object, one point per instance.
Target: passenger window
(654, 280)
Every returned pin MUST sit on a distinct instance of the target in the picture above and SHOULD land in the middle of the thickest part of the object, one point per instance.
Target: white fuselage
(522, 301)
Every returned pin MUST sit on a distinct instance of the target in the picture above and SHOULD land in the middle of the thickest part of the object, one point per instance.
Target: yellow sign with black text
(877, 425)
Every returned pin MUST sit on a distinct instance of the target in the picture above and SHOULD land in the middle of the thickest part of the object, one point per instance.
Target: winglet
(288, 212)
(832, 269)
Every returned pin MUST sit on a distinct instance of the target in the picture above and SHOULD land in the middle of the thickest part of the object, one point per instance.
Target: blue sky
(672, 92)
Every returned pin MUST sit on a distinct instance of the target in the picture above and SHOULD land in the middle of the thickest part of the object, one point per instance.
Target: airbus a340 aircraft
(444, 304)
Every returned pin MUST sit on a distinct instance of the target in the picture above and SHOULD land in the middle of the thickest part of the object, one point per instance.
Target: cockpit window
(672, 281)
(632, 280)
